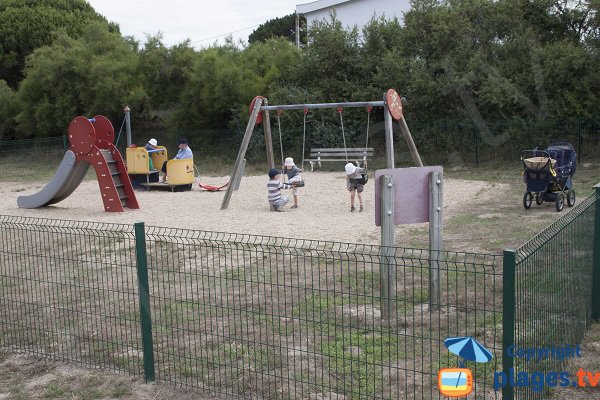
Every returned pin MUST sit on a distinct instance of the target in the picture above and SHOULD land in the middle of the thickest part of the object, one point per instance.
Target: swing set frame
(259, 113)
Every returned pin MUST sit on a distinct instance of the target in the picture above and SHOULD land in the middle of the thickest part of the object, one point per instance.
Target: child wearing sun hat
(355, 183)
(294, 177)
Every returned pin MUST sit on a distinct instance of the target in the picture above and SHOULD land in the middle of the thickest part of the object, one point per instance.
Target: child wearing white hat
(355, 182)
(151, 145)
(294, 177)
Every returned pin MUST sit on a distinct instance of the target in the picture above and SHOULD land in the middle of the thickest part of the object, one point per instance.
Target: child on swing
(294, 177)
(355, 181)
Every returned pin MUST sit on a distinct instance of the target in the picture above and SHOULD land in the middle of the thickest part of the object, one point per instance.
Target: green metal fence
(556, 276)
(37, 144)
(242, 315)
(68, 291)
(448, 142)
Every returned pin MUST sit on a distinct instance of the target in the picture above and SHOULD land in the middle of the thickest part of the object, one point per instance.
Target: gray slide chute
(69, 175)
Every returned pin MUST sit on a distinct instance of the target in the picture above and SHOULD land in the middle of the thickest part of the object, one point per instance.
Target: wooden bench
(317, 156)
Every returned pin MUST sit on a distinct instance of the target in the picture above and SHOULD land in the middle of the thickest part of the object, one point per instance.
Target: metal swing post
(257, 103)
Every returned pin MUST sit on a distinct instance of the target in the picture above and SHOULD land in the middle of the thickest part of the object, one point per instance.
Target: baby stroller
(548, 175)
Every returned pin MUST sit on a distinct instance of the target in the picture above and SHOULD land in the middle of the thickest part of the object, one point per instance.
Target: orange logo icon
(455, 382)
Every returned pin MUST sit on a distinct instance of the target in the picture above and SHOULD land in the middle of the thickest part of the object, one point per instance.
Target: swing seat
(211, 188)
(359, 154)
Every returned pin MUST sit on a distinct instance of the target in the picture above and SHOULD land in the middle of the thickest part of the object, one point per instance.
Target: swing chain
(304, 136)
(340, 110)
(279, 113)
(369, 109)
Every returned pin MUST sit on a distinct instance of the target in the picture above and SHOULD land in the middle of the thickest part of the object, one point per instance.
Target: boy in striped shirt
(274, 186)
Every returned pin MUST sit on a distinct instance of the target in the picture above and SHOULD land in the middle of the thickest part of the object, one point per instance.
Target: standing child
(274, 186)
(355, 183)
(294, 177)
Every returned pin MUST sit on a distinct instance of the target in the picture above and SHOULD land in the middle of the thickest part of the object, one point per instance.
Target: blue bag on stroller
(548, 175)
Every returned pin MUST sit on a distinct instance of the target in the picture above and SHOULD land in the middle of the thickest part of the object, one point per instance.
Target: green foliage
(8, 110)
(331, 66)
(226, 79)
(27, 25)
(96, 74)
(503, 66)
(279, 27)
(165, 72)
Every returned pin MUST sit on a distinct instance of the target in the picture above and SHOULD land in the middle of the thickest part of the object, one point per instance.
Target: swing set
(259, 113)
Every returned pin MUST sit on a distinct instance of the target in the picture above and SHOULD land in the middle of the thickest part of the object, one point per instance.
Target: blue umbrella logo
(469, 349)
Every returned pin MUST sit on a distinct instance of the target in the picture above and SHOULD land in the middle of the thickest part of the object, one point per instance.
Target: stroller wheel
(527, 199)
(571, 198)
(560, 202)
(539, 199)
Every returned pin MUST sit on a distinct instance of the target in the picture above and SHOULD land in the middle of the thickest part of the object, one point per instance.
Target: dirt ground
(324, 211)
(24, 377)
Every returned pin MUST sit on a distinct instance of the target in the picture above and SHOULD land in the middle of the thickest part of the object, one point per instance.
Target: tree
(279, 27)
(8, 110)
(331, 67)
(26, 25)
(165, 71)
(226, 79)
(95, 74)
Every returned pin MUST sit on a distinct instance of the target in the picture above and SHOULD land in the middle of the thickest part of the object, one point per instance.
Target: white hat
(350, 168)
(289, 162)
(153, 142)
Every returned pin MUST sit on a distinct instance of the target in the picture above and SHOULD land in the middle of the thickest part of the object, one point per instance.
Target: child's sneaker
(352, 209)
(360, 209)
(272, 207)
(294, 206)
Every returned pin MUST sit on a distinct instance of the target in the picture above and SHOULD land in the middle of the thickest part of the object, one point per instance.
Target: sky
(201, 21)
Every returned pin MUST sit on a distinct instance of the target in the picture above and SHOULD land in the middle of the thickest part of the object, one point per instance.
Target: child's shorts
(281, 202)
(355, 186)
(297, 178)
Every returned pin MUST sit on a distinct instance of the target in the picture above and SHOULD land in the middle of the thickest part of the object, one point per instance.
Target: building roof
(317, 5)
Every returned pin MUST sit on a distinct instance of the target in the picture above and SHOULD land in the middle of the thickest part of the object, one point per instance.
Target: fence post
(387, 271)
(596, 262)
(579, 140)
(476, 134)
(435, 238)
(144, 295)
(508, 317)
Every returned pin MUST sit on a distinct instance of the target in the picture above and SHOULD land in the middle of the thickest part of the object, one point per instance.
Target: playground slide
(67, 178)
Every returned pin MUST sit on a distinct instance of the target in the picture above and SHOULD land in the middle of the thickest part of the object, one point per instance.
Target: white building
(351, 12)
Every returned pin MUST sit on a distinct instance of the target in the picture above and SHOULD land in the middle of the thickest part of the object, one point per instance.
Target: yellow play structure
(143, 162)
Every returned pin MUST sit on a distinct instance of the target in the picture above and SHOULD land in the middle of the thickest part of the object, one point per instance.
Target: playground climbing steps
(91, 143)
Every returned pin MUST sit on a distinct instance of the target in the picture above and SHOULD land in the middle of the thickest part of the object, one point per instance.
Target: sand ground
(323, 213)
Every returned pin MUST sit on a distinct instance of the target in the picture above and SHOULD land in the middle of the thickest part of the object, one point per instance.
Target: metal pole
(508, 318)
(297, 30)
(128, 125)
(579, 140)
(435, 238)
(596, 262)
(268, 137)
(325, 105)
(476, 134)
(144, 296)
(387, 266)
(240, 174)
(410, 142)
(389, 137)
(242, 153)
